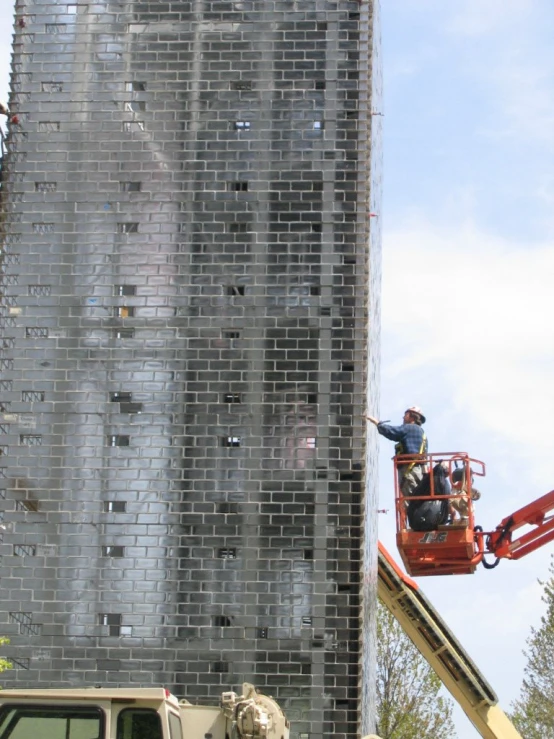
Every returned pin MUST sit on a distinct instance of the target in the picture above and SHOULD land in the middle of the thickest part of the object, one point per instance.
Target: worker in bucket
(460, 506)
(410, 439)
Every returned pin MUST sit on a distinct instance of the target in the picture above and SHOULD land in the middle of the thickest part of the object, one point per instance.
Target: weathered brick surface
(189, 331)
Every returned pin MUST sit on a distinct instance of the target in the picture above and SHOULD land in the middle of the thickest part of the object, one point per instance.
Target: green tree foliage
(4, 663)
(533, 713)
(408, 702)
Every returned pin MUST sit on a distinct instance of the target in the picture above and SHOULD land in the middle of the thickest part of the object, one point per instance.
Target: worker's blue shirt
(410, 437)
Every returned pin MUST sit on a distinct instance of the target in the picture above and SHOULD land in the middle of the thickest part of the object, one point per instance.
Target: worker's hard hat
(417, 410)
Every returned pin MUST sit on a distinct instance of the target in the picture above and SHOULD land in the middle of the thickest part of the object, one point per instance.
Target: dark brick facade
(189, 333)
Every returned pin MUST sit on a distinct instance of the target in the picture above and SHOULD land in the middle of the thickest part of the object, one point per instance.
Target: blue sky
(467, 289)
(468, 224)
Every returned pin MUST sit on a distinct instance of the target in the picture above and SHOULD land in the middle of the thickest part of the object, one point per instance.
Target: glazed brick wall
(189, 338)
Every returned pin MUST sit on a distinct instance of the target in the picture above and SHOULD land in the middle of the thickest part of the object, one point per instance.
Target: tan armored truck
(136, 713)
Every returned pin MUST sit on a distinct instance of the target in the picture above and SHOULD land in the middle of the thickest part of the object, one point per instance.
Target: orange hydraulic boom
(436, 529)
(537, 514)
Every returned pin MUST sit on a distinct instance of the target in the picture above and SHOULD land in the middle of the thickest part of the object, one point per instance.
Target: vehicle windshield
(56, 722)
(139, 723)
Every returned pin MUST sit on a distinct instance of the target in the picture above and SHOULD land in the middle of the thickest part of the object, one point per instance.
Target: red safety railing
(459, 470)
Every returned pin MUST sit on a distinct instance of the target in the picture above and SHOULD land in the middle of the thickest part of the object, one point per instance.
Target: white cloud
(470, 312)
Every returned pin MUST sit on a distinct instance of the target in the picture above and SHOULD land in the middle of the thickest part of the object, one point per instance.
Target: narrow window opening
(135, 86)
(124, 291)
(261, 633)
(51, 87)
(236, 290)
(239, 186)
(317, 125)
(43, 228)
(115, 506)
(133, 126)
(135, 106)
(227, 553)
(118, 440)
(314, 290)
(344, 588)
(126, 404)
(220, 667)
(311, 398)
(39, 291)
(317, 228)
(30, 440)
(232, 398)
(46, 186)
(130, 408)
(112, 621)
(128, 227)
(241, 125)
(306, 620)
(124, 333)
(32, 396)
(132, 186)
(34, 332)
(231, 334)
(120, 397)
(124, 311)
(26, 505)
(221, 621)
(347, 367)
(24, 550)
(308, 553)
(241, 85)
(49, 126)
(112, 550)
(231, 441)
(325, 311)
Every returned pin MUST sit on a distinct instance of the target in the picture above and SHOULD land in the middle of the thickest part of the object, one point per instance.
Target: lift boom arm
(438, 645)
(539, 514)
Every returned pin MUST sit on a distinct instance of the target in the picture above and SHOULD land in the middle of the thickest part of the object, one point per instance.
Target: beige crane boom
(438, 645)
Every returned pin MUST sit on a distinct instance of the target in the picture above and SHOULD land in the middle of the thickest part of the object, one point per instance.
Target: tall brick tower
(189, 335)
